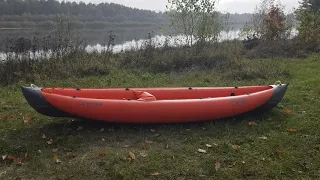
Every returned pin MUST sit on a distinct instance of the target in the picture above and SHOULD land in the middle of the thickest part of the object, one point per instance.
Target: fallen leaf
(19, 163)
(26, 155)
(252, 124)
(149, 142)
(277, 151)
(155, 174)
(152, 130)
(218, 165)
(11, 158)
(79, 128)
(209, 145)
(102, 154)
(236, 147)
(292, 130)
(27, 119)
(287, 111)
(55, 150)
(56, 158)
(39, 151)
(8, 116)
(70, 155)
(44, 136)
(202, 151)
(50, 142)
(156, 135)
(103, 139)
(132, 156)
(3, 173)
(143, 154)
(4, 157)
(263, 138)
(102, 130)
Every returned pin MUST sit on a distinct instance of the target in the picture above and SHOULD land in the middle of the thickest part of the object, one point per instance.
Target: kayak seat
(144, 96)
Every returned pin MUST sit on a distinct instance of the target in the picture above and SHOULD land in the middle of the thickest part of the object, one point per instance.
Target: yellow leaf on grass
(56, 158)
(155, 174)
(292, 130)
(132, 156)
(287, 111)
(218, 165)
(102, 154)
(252, 124)
(236, 147)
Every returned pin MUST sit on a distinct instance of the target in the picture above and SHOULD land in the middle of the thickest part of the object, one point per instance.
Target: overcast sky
(232, 6)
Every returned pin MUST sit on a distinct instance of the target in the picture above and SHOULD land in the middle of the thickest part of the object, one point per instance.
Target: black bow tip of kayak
(37, 102)
(276, 98)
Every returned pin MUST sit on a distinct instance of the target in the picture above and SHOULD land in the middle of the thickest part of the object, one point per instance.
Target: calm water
(158, 41)
(136, 40)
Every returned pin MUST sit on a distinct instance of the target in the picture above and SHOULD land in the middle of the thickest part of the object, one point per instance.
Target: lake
(125, 39)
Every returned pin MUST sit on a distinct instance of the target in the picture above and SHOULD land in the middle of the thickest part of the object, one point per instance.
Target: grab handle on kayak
(33, 86)
(278, 83)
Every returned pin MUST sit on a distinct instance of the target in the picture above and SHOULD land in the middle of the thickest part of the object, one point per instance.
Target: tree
(309, 29)
(197, 19)
(269, 23)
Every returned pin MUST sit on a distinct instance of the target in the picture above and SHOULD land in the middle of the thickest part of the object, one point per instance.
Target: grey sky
(232, 6)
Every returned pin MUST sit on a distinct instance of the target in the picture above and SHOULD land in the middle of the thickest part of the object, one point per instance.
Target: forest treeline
(42, 14)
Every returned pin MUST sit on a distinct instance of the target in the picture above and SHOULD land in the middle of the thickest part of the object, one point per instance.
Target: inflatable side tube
(37, 102)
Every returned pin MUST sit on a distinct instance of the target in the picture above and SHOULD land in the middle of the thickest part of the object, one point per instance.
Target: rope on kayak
(278, 83)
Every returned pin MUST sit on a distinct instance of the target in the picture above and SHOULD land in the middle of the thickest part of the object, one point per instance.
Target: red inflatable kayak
(153, 105)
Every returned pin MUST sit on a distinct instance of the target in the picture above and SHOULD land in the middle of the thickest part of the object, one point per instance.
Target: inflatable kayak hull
(153, 105)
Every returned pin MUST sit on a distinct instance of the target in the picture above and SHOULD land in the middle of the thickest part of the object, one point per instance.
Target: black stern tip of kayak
(279, 92)
(37, 102)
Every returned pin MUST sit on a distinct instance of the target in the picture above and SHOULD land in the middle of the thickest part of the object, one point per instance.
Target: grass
(87, 152)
